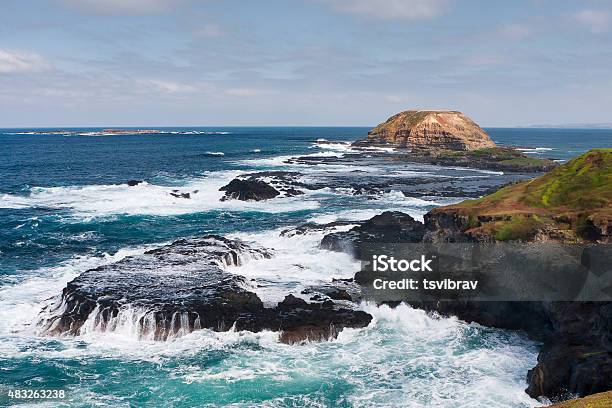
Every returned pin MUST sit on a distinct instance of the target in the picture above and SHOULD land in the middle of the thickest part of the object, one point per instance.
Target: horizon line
(594, 126)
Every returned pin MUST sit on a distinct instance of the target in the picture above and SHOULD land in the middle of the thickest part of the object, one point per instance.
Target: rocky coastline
(188, 285)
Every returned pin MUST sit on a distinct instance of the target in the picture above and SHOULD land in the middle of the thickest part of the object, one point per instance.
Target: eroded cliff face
(430, 130)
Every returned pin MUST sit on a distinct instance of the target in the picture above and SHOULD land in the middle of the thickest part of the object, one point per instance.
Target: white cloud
(392, 9)
(19, 61)
(121, 6)
(596, 20)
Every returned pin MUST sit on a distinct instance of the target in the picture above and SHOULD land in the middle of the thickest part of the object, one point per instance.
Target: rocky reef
(489, 158)
(182, 287)
(430, 130)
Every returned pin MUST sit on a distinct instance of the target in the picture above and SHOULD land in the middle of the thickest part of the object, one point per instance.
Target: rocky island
(448, 138)
(430, 130)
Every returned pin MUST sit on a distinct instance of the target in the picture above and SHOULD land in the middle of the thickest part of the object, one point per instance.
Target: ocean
(66, 207)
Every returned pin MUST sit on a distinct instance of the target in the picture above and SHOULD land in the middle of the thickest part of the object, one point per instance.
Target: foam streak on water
(148, 199)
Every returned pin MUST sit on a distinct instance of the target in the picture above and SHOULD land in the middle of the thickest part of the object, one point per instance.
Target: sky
(302, 62)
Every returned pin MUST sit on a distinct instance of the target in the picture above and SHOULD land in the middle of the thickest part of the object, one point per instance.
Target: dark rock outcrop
(389, 227)
(133, 183)
(334, 291)
(182, 287)
(263, 185)
(248, 190)
(506, 159)
(178, 194)
(576, 358)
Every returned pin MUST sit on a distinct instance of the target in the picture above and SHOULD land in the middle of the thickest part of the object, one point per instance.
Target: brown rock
(430, 130)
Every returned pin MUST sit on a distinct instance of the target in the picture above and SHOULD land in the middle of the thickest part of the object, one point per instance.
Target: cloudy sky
(302, 62)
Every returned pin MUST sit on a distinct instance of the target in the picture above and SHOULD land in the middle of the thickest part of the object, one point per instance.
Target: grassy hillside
(572, 199)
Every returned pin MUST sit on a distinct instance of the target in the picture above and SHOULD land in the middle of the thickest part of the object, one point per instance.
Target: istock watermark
(486, 272)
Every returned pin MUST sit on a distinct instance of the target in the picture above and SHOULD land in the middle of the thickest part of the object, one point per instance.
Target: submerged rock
(182, 287)
(178, 194)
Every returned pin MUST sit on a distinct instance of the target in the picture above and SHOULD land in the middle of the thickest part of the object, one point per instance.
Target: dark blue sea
(65, 207)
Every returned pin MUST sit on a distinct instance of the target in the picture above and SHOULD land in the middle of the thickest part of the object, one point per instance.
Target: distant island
(449, 138)
(120, 132)
(103, 132)
(430, 130)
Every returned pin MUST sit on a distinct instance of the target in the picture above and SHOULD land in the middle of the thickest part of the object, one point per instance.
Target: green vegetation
(502, 158)
(582, 183)
(524, 162)
(520, 227)
(496, 153)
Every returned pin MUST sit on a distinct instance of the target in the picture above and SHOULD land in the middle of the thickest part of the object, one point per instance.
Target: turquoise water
(65, 207)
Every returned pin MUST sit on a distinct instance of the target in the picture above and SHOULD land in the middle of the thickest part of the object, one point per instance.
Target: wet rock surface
(263, 186)
(310, 228)
(182, 287)
(248, 190)
(389, 227)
